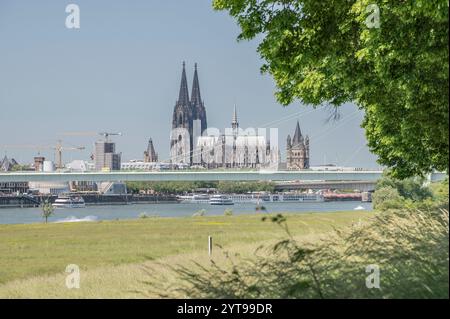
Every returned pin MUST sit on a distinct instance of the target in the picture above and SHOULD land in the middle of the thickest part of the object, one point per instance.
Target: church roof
(298, 138)
(150, 148)
(6, 164)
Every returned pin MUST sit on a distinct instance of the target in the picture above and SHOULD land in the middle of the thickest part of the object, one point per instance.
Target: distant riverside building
(13, 187)
(235, 149)
(191, 145)
(80, 166)
(83, 186)
(7, 164)
(150, 156)
(39, 163)
(297, 150)
(105, 156)
(139, 165)
(53, 188)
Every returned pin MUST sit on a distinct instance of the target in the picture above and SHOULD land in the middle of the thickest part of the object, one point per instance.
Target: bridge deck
(191, 176)
(198, 176)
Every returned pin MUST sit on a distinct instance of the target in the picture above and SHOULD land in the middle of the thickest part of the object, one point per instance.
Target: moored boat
(195, 198)
(69, 201)
(221, 200)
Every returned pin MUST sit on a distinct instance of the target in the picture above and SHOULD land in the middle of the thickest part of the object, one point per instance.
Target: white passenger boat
(221, 200)
(69, 201)
(195, 198)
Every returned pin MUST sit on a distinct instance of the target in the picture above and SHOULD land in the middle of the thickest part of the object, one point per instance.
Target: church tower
(150, 155)
(181, 136)
(297, 150)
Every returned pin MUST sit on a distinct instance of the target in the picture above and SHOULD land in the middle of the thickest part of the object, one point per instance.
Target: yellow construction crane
(58, 152)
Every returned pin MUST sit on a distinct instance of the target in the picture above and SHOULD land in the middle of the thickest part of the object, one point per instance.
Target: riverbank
(26, 201)
(33, 257)
(133, 211)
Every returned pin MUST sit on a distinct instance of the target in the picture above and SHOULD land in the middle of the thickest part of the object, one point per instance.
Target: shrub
(387, 198)
(228, 212)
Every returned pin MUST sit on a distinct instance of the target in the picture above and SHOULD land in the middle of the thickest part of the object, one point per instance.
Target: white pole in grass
(209, 246)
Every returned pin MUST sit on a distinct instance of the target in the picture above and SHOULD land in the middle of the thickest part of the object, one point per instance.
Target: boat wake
(74, 219)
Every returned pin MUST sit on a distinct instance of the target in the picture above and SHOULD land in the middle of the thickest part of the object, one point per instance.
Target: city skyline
(99, 78)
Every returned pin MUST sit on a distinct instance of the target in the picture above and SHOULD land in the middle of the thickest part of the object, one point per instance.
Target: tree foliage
(188, 187)
(324, 52)
(412, 188)
(230, 187)
(169, 187)
(410, 193)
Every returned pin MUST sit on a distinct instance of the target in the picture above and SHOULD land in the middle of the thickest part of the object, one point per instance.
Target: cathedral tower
(180, 140)
(198, 107)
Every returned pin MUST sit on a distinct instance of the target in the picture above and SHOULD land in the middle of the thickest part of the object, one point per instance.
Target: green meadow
(114, 257)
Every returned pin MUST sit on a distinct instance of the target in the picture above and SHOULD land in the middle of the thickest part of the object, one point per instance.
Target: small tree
(47, 210)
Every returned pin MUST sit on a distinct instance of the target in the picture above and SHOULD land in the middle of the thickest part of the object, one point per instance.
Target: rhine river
(120, 212)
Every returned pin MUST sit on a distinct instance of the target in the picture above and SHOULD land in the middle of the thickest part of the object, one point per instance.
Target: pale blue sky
(121, 72)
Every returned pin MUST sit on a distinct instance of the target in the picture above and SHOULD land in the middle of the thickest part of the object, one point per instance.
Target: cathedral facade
(192, 143)
(297, 150)
(236, 148)
(188, 120)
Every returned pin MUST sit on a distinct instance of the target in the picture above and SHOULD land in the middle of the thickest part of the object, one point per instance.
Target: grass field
(110, 254)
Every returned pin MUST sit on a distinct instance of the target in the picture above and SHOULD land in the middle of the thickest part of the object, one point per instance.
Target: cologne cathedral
(192, 143)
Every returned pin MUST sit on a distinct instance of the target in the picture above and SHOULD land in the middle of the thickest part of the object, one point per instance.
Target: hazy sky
(121, 72)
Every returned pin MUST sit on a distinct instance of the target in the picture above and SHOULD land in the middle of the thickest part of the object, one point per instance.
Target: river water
(113, 212)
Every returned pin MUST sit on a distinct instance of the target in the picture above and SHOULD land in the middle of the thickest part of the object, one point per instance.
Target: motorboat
(221, 200)
(69, 201)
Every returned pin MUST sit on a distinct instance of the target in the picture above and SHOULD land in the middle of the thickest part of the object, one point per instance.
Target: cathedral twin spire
(189, 113)
(183, 99)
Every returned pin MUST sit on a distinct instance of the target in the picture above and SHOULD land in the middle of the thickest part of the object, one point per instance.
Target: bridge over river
(204, 175)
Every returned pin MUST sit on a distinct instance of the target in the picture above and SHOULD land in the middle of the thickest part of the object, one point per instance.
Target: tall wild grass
(410, 249)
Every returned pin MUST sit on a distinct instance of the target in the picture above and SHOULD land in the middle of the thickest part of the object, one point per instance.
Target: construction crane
(58, 152)
(58, 148)
(108, 134)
